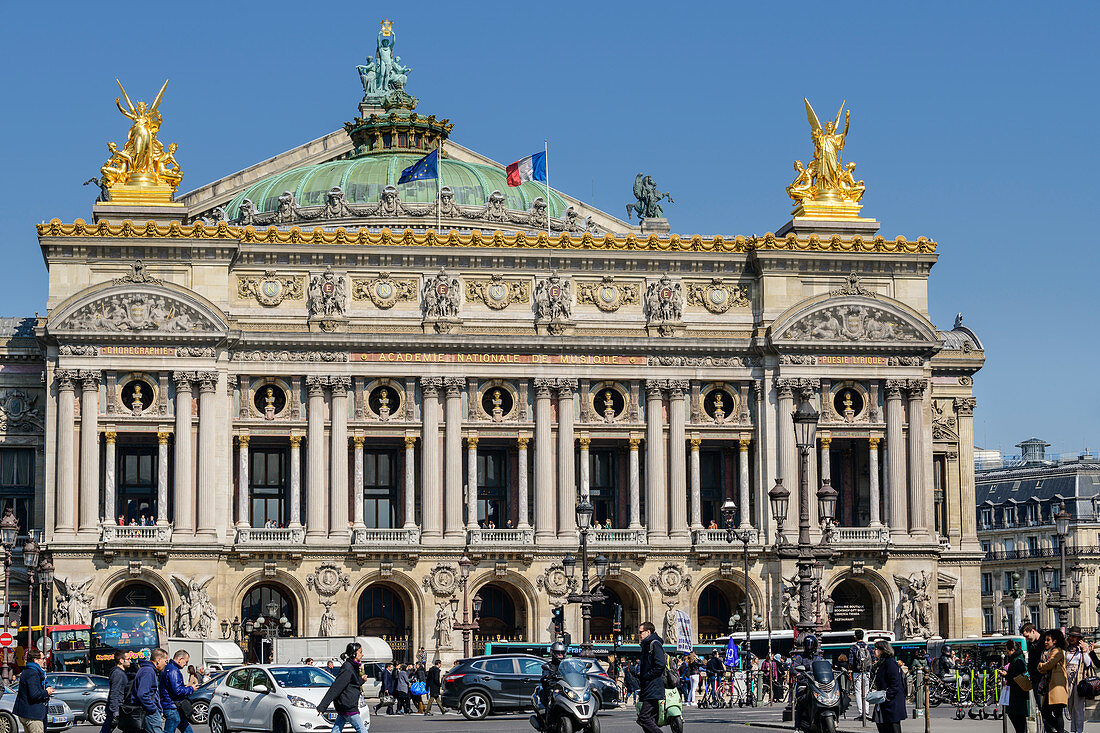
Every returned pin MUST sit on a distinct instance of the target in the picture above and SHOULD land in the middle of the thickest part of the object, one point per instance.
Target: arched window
(498, 612)
(259, 602)
(137, 594)
(381, 612)
(853, 607)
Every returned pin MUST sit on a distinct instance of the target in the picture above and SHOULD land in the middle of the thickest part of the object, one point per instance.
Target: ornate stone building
(316, 398)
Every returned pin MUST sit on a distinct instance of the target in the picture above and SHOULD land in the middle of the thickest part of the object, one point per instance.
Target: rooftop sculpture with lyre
(143, 171)
(384, 76)
(827, 188)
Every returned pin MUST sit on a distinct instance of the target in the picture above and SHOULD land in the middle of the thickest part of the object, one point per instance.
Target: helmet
(557, 651)
(809, 645)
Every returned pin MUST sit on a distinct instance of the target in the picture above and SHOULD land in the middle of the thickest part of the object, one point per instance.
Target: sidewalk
(942, 721)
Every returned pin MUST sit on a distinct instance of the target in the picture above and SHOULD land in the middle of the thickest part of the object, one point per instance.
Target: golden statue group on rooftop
(143, 171)
(827, 186)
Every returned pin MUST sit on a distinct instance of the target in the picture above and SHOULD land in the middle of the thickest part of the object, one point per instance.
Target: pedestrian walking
(146, 693)
(1016, 709)
(386, 690)
(32, 695)
(1055, 683)
(418, 687)
(860, 661)
(1034, 639)
(630, 679)
(402, 690)
(116, 689)
(434, 686)
(888, 677)
(1078, 659)
(344, 693)
(174, 694)
(695, 671)
(651, 675)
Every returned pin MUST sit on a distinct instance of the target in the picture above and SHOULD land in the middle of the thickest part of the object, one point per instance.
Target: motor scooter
(572, 707)
(817, 698)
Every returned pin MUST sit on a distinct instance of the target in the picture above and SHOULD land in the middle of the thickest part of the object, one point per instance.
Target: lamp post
(232, 629)
(1064, 600)
(9, 528)
(467, 626)
(45, 582)
(1017, 601)
(270, 627)
(590, 592)
(31, 551)
(744, 536)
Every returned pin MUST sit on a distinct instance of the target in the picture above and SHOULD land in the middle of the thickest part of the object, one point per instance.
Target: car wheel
(200, 712)
(281, 724)
(217, 722)
(474, 706)
(97, 713)
(8, 724)
(597, 701)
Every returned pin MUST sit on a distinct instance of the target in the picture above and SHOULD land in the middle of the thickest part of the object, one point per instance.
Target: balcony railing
(861, 535)
(1039, 552)
(718, 537)
(945, 543)
(148, 535)
(399, 536)
(270, 536)
(525, 536)
(617, 537)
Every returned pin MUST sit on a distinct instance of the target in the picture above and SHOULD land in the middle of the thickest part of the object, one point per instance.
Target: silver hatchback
(281, 698)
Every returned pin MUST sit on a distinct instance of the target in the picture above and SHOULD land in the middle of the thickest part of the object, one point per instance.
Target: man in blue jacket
(387, 689)
(146, 691)
(31, 699)
(173, 690)
(651, 673)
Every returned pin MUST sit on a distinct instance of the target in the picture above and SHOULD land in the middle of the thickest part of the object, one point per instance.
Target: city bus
(67, 650)
(131, 629)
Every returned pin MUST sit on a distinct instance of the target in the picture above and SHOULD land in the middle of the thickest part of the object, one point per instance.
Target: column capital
(566, 388)
(89, 379)
(110, 436)
(358, 441)
(315, 384)
(410, 441)
(184, 379)
(744, 443)
(295, 441)
(915, 388)
(341, 383)
(66, 379)
(454, 386)
(677, 387)
(522, 441)
(163, 436)
(785, 387)
(635, 441)
(873, 441)
(471, 441)
(242, 440)
(696, 442)
(231, 384)
(585, 441)
(654, 387)
(208, 381)
(543, 387)
(894, 388)
(965, 405)
(807, 388)
(430, 386)
(826, 441)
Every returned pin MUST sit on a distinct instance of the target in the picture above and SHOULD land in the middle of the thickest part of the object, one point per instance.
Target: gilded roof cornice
(410, 238)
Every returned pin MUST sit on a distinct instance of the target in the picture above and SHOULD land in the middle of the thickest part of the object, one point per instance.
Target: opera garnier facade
(311, 384)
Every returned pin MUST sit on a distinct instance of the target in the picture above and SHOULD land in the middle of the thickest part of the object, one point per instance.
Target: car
(604, 688)
(200, 698)
(86, 694)
(281, 698)
(59, 716)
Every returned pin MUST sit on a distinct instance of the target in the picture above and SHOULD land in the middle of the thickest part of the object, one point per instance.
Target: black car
(502, 682)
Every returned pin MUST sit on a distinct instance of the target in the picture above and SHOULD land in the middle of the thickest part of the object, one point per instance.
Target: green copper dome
(362, 180)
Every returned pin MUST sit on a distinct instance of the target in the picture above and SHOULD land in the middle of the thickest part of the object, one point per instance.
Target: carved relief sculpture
(383, 291)
(607, 295)
(554, 303)
(440, 301)
(196, 616)
(915, 609)
(498, 293)
(851, 323)
(664, 301)
(717, 296)
(441, 581)
(270, 290)
(327, 296)
(19, 409)
(126, 312)
(670, 580)
(328, 580)
(74, 603)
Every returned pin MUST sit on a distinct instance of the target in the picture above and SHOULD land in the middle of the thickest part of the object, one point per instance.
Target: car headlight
(300, 702)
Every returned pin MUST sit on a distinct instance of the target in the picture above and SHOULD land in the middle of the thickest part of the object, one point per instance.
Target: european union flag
(426, 167)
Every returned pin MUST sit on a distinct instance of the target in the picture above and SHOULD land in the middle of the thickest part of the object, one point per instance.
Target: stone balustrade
(506, 536)
(270, 536)
(618, 537)
(148, 535)
(400, 536)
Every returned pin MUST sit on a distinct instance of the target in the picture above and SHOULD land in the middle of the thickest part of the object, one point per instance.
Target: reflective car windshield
(300, 677)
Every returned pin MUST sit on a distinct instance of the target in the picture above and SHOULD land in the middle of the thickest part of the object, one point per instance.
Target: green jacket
(1017, 696)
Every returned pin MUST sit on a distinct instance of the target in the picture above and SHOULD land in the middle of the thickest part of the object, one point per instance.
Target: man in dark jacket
(31, 699)
(1034, 655)
(386, 691)
(434, 685)
(116, 690)
(146, 691)
(651, 673)
(172, 690)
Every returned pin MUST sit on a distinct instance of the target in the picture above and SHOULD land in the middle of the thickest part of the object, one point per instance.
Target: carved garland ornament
(383, 291)
(442, 580)
(498, 293)
(18, 407)
(285, 355)
(270, 290)
(670, 579)
(328, 580)
(555, 582)
(717, 296)
(607, 295)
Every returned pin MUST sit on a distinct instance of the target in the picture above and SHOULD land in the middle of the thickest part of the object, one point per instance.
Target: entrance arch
(853, 607)
(503, 612)
(272, 603)
(719, 601)
(384, 610)
(138, 593)
(603, 614)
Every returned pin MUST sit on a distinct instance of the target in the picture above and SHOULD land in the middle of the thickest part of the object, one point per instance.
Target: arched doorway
(274, 605)
(853, 606)
(137, 593)
(382, 611)
(603, 614)
(502, 615)
(720, 602)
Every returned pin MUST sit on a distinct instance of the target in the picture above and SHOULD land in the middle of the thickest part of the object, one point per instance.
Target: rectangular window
(1007, 582)
(1036, 618)
(1032, 581)
(986, 546)
(987, 518)
(492, 488)
(381, 494)
(987, 583)
(987, 620)
(1010, 545)
(268, 486)
(710, 486)
(1033, 546)
(604, 487)
(17, 484)
(137, 484)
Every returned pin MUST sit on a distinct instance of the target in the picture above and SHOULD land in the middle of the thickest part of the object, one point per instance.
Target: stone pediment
(139, 310)
(832, 319)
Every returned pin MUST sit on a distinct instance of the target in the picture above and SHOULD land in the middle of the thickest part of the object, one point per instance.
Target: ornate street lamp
(779, 497)
(744, 536)
(31, 552)
(590, 592)
(467, 626)
(1064, 601)
(9, 528)
(805, 434)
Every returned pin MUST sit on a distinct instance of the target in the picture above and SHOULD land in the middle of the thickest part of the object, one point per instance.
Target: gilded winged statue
(143, 160)
(826, 178)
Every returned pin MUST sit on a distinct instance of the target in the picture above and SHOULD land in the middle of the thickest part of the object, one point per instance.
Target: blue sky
(972, 123)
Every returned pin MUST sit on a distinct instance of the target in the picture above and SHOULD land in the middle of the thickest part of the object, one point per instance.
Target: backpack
(131, 713)
(861, 657)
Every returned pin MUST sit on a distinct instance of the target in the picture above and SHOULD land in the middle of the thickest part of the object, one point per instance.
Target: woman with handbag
(1017, 685)
(1078, 667)
(401, 689)
(1055, 683)
(345, 692)
(890, 686)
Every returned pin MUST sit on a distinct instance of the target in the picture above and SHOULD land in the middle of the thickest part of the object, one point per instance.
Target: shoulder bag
(131, 714)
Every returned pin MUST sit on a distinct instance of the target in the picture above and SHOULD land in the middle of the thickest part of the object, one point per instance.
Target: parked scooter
(817, 700)
(572, 708)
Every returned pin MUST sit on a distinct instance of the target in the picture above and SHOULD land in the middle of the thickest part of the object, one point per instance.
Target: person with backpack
(143, 699)
(860, 659)
(32, 695)
(116, 689)
(344, 693)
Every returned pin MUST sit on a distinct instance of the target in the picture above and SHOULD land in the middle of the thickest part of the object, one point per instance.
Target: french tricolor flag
(531, 168)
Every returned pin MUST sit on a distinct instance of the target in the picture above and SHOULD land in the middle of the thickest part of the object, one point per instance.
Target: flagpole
(439, 187)
(546, 162)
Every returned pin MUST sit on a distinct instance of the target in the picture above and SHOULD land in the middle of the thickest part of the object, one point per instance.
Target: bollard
(920, 694)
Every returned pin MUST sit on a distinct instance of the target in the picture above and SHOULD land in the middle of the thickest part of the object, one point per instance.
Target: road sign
(44, 644)
(6, 640)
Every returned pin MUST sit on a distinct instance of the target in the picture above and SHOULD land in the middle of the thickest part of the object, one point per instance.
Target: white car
(281, 698)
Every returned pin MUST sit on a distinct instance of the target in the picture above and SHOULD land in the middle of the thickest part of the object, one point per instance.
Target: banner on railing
(683, 632)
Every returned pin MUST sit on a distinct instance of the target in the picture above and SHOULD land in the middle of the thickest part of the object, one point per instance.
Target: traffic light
(15, 614)
(617, 624)
(558, 617)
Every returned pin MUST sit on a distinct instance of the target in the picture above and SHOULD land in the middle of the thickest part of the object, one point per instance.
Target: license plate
(55, 719)
(330, 717)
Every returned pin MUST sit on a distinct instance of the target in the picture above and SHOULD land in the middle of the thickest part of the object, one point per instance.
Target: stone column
(895, 454)
(184, 520)
(431, 502)
(826, 472)
(677, 461)
(410, 482)
(109, 477)
(89, 451)
(920, 503)
(743, 483)
(655, 495)
(316, 525)
(696, 488)
(635, 480)
(585, 442)
(545, 509)
(295, 482)
(162, 478)
(522, 510)
(567, 484)
(244, 488)
(208, 441)
(875, 491)
(453, 529)
(471, 482)
(66, 458)
(357, 482)
(788, 451)
(338, 458)
(964, 408)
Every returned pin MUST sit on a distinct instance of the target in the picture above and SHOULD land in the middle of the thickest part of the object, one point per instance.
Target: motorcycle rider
(811, 652)
(550, 674)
